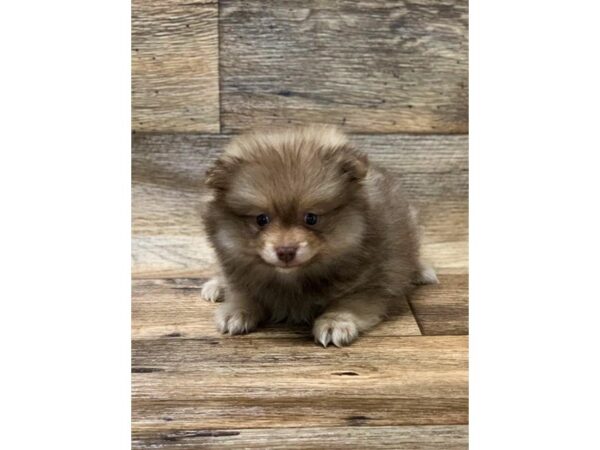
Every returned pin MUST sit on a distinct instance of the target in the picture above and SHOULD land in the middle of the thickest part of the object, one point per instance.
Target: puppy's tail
(426, 275)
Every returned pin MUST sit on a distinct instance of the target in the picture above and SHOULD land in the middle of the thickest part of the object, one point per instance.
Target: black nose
(286, 254)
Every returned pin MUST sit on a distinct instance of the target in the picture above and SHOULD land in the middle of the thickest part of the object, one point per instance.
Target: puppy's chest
(293, 303)
(293, 310)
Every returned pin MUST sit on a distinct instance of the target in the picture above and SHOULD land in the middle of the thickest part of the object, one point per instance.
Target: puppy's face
(289, 205)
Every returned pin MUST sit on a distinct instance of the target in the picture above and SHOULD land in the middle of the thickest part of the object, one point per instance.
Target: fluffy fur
(344, 270)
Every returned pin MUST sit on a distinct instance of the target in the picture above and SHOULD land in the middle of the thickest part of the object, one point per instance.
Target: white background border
(65, 228)
(534, 224)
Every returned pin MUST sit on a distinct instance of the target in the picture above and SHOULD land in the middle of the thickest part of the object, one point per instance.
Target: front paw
(235, 320)
(336, 328)
(212, 291)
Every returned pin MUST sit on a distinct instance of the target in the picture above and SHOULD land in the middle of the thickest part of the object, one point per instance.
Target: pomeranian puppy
(306, 230)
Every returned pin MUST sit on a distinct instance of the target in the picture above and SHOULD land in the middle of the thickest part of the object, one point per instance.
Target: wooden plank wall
(175, 75)
(395, 76)
(369, 66)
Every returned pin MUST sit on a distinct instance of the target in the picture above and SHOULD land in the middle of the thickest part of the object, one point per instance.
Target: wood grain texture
(173, 307)
(369, 66)
(451, 437)
(175, 76)
(168, 240)
(443, 309)
(216, 384)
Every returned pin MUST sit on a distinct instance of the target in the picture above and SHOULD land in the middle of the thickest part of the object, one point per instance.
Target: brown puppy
(306, 230)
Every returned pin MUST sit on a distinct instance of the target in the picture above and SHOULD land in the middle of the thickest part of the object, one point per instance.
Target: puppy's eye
(262, 220)
(311, 219)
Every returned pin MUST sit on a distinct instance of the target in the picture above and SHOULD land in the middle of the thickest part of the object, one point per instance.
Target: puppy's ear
(354, 164)
(219, 175)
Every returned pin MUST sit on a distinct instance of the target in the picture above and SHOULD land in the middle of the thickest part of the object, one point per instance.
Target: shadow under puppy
(306, 230)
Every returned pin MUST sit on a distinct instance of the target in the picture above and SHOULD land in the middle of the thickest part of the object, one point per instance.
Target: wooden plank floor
(377, 69)
(229, 383)
(393, 438)
(193, 387)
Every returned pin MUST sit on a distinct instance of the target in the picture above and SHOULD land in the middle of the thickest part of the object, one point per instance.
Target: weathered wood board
(168, 240)
(369, 66)
(173, 307)
(427, 437)
(175, 66)
(187, 384)
(443, 309)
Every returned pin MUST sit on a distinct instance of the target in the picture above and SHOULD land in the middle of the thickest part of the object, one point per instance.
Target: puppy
(307, 231)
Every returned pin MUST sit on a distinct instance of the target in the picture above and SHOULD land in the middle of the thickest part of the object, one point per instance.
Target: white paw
(235, 321)
(211, 290)
(427, 276)
(337, 329)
